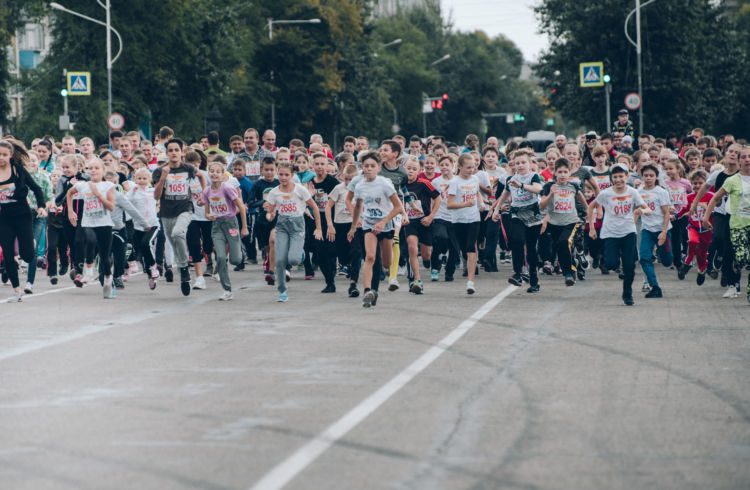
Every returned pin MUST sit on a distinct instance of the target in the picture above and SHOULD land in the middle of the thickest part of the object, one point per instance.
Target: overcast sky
(512, 18)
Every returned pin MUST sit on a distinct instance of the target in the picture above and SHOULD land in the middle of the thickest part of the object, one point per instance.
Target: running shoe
(646, 287)
(239, 267)
(17, 297)
(53, 280)
(713, 273)
(29, 289)
(62, 270)
(227, 296)
(700, 278)
(209, 270)
(533, 289)
(169, 275)
(628, 300)
(72, 274)
(152, 283)
(79, 282)
(330, 288)
(516, 280)
(288, 275)
(185, 281)
(266, 264)
(569, 280)
(401, 270)
(107, 291)
(270, 279)
(731, 293)
(655, 292)
(308, 277)
(199, 283)
(682, 271)
(583, 261)
(283, 297)
(547, 268)
(117, 281)
(470, 289)
(353, 291)
(434, 275)
(375, 299)
(343, 270)
(154, 272)
(448, 277)
(417, 287)
(368, 298)
(393, 284)
(89, 276)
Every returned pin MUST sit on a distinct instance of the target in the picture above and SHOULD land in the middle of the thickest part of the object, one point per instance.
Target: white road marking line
(129, 320)
(288, 469)
(27, 297)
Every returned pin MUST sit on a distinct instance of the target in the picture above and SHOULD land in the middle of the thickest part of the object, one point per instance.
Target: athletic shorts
(383, 235)
(263, 232)
(423, 233)
(466, 236)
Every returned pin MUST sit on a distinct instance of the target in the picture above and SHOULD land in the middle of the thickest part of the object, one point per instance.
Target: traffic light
(554, 91)
(445, 96)
(607, 78)
(64, 92)
(437, 104)
(518, 118)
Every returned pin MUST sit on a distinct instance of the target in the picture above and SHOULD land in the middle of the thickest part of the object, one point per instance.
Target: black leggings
(199, 232)
(349, 253)
(119, 248)
(444, 241)
(56, 244)
(561, 241)
(679, 239)
(99, 240)
(520, 236)
(12, 228)
(142, 246)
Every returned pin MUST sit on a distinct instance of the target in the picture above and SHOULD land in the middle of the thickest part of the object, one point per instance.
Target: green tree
(693, 62)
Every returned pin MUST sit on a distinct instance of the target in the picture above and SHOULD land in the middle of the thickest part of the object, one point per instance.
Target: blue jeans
(646, 252)
(39, 230)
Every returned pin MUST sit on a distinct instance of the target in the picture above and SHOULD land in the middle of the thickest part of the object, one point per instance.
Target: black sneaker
(682, 271)
(581, 274)
(239, 267)
(185, 281)
(330, 288)
(533, 289)
(654, 293)
(595, 263)
(525, 278)
(353, 291)
(516, 280)
(713, 273)
(569, 280)
(118, 284)
(628, 300)
(169, 275)
(449, 278)
(700, 278)
(368, 298)
(62, 270)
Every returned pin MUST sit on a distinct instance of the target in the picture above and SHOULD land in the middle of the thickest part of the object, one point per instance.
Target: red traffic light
(434, 104)
(439, 104)
(554, 90)
(445, 96)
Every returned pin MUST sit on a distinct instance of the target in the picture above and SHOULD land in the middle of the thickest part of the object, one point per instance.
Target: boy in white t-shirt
(618, 229)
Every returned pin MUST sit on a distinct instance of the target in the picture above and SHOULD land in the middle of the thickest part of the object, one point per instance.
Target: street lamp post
(424, 96)
(637, 44)
(271, 23)
(107, 24)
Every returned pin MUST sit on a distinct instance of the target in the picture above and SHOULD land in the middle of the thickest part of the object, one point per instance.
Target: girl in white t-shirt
(98, 201)
(289, 201)
(465, 201)
(141, 195)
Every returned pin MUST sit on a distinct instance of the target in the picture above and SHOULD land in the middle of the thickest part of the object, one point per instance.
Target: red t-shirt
(696, 219)
(423, 176)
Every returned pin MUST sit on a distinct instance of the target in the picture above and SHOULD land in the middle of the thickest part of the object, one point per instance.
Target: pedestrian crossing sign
(79, 83)
(591, 74)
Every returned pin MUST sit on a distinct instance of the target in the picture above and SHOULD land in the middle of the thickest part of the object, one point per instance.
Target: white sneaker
(731, 292)
(401, 270)
(645, 288)
(133, 267)
(288, 275)
(470, 289)
(393, 284)
(29, 289)
(154, 272)
(227, 296)
(199, 283)
(88, 275)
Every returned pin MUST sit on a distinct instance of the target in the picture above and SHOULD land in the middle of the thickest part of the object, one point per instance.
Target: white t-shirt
(520, 197)
(722, 207)
(618, 211)
(441, 185)
(484, 181)
(94, 212)
(196, 193)
(465, 190)
(338, 196)
(498, 174)
(376, 201)
(289, 204)
(144, 202)
(654, 198)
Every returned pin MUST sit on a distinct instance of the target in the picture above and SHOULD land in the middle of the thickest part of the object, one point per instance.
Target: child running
(618, 228)
(221, 204)
(465, 201)
(376, 200)
(699, 238)
(654, 228)
(444, 240)
(141, 195)
(98, 201)
(288, 200)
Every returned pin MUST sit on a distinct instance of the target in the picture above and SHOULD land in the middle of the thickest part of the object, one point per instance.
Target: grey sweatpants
(175, 230)
(225, 231)
(290, 241)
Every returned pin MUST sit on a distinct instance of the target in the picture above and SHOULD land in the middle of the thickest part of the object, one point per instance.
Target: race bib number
(218, 206)
(321, 199)
(564, 201)
(603, 182)
(6, 193)
(699, 214)
(677, 196)
(415, 210)
(622, 206)
(287, 206)
(252, 169)
(177, 186)
(93, 208)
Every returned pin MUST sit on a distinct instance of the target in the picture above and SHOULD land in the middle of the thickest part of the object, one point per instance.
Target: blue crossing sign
(591, 74)
(79, 83)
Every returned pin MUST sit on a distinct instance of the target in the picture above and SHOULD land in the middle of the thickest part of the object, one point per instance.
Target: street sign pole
(607, 91)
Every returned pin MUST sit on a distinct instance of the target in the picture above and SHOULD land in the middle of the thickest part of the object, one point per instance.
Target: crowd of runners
(422, 210)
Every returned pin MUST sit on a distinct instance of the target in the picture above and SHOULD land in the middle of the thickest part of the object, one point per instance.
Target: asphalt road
(565, 389)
